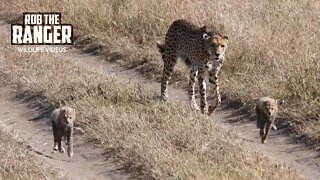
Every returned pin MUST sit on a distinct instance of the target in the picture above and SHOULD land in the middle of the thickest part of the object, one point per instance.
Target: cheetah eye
(69, 117)
(222, 46)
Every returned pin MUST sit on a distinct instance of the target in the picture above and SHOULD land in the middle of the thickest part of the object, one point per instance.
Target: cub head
(216, 45)
(68, 115)
(271, 106)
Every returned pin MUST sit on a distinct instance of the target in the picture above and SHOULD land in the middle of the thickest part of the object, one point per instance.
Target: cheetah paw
(55, 148)
(211, 110)
(62, 150)
(70, 153)
(194, 106)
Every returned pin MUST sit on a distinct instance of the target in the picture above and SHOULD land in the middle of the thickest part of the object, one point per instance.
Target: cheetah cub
(266, 110)
(62, 125)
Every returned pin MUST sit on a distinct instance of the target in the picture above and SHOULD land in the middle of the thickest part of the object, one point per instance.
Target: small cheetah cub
(266, 110)
(62, 125)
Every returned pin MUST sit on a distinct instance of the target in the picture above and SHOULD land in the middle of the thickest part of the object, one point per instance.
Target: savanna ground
(153, 139)
(273, 50)
(16, 162)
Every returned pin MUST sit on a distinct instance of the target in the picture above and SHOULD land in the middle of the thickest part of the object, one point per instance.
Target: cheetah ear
(161, 47)
(205, 36)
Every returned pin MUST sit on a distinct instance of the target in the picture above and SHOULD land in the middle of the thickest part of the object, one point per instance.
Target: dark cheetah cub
(266, 110)
(203, 51)
(62, 125)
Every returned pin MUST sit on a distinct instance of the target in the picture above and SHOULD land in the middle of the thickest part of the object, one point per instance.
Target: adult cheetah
(204, 53)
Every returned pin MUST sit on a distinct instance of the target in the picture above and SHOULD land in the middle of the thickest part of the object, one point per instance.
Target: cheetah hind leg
(62, 150)
(212, 108)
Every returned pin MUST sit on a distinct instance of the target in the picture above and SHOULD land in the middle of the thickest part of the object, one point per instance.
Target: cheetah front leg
(260, 122)
(70, 141)
(55, 137)
(203, 96)
(264, 137)
(60, 148)
(192, 82)
(216, 101)
(170, 61)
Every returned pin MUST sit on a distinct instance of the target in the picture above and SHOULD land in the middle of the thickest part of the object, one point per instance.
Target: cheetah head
(216, 46)
(271, 107)
(68, 116)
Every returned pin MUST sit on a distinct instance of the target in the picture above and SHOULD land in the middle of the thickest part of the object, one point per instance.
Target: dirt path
(34, 129)
(280, 146)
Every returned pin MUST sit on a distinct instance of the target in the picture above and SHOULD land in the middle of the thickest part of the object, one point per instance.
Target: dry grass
(274, 47)
(158, 140)
(16, 162)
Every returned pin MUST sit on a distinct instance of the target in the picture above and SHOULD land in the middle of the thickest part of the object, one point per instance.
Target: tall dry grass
(158, 140)
(16, 162)
(274, 46)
